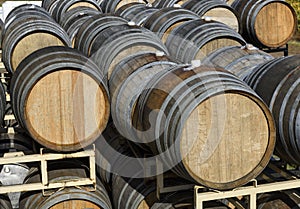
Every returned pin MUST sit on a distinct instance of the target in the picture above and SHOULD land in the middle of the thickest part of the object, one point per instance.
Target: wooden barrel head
(275, 24)
(82, 4)
(143, 205)
(31, 43)
(124, 2)
(75, 204)
(225, 138)
(213, 45)
(66, 110)
(225, 16)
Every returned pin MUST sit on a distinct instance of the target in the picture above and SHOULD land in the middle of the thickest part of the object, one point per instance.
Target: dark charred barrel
(64, 6)
(165, 20)
(1, 32)
(67, 198)
(76, 119)
(74, 19)
(115, 155)
(270, 23)
(167, 3)
(194, 40)
(116, 43)
(238, 60)
(5, 202)
(276, 200)
(28, 34)
(136, 12)
(127, 83)
(92, 27)
(49, 5)
(111, 6)
(217, 10)
(28, 10)
(2, 103)
(209, 115)
(277, 82)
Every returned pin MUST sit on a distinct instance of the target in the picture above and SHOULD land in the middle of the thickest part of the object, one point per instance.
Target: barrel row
(276, 81)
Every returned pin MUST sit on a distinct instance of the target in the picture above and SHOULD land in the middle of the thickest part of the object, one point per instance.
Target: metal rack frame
(284, 49)
(250, 191)
(43, 158)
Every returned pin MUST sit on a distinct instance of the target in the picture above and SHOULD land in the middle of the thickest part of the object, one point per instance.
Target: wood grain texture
(137, 49)
(214, 45)
(78, 204)
(66, 109)
(225, 16)
(31, 43)
(275, 24)
(221, 135)
(124, 2)
(82, 4)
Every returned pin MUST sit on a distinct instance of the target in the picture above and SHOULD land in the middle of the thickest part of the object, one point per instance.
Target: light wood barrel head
(275, 24)
(31, 43)
(70, 204)
(82, 4)
(124, 2)
(143, 205)
(214, 45)
(66, 110)
(225, 138)
(225, 16)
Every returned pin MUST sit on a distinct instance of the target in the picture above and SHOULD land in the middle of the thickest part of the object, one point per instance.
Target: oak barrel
(2, 103)
(111, 6)
(215, 9)
(136, 12)
(115, 43)
(92, 27)
(49, 5)
(5, 202)
(64, 6)
(67, 198)
(163, 21)
(204, 122)
(194, 40)
(65, 105)
(27, 34)
(269, 23)
(73, 20)
(238, 60)
(127, 83)
(277, 82)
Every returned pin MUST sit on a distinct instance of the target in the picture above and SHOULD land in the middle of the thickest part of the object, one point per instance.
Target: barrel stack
(179, 84)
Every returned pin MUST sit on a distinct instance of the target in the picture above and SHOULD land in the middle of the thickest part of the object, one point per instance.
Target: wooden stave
(19, 89)
(20, 29)
(196, 32)
(58, 172)
(5, 202)
(139, 37)
(136, 12)
(77, 13)
(233, 59)
(160, 21)
(111, 6)
(202, 7)
(91, 27)
(64, 5)
(182, 173)
(281, 96)
(28, 10)
(2, 103)
(248, 10)
(123, 103)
